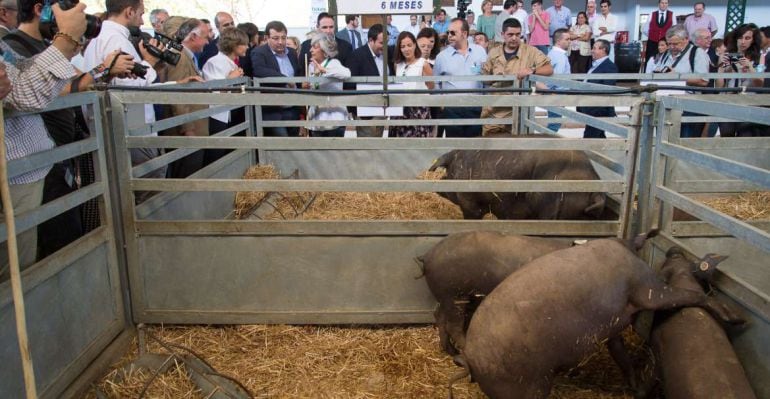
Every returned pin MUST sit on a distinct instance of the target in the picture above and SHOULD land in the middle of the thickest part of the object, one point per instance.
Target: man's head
(600, 49)
(325, 23)
(194, 35)
(470, 17)
(8, 14)
(208, 25)
(223, 20)
(764, 34)
(276, 36)
(125, 12)
(481, 39)
(457, 34)
(441, 16)
(663, 5)
(157, 17)
(699, 8)
(375, 39)
(702, 38)
(252, 31)
(389, 19)
(591, 7)
(511, 34)
(561, 38)
(351, 21)
(509, 6)
(558, 3)
(677, 39)
(29, 11)
(605, 6)
(537, 5)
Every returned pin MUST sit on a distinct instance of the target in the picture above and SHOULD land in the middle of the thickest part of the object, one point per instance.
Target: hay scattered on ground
(348, 205)
(245, 201)
(338, 362)
(747, 206)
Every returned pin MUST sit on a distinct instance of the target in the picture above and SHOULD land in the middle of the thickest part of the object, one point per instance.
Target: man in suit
(350, 33)
(222, 20)
(368, 61)
(324, 24)
(275, 59)
(194, 35)
(601, 64)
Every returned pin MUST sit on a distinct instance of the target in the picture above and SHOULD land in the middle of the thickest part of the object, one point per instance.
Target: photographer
(33, 85)
(742, 56)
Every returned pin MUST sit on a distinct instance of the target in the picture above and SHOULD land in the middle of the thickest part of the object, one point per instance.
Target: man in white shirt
(591, 12)
(511, 9)
(684, 61)
(414, 26)
(122, 14)
(605, 26)
(560, 61)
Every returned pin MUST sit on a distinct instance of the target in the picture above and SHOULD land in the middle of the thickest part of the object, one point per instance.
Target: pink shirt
(538, 35)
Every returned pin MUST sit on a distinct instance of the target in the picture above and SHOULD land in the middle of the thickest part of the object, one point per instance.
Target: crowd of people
(514, 42)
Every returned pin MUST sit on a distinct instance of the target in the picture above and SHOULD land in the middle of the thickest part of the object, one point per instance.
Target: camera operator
(27, 40)
(33, 85)
(122, 14)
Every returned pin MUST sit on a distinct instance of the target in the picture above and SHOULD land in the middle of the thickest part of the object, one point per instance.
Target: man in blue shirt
(560, 61)
(392, 32)
(561, 17)
(441, 25)
(460, 58)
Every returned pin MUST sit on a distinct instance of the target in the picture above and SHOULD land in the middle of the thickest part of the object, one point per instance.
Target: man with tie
(601, 64)
(275, 59)
(194, 35)
(656, 27)
(350, 33)
(368, 61)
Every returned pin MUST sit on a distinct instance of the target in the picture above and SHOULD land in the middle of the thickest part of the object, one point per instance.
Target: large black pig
(522, 165)
(553, 311)
(466, 266)
(694, 356)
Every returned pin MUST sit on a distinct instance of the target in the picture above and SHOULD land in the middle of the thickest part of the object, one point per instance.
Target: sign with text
(364, 7)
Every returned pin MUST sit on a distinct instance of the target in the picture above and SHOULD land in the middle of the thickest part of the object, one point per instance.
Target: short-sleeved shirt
(707, 21)
(450, 62)
(440, 27)
(526, 57)
(538, 36)
(560, 61)
(559, 19)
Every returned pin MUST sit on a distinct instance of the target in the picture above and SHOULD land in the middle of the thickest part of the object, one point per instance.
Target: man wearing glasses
(8, 16)
(460, 58)
(275, 59)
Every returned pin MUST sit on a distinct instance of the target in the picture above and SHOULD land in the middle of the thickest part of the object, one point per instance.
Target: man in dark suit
(275, 59)
(350, 33)
(601, 64)
(368, 61)
(324, 24)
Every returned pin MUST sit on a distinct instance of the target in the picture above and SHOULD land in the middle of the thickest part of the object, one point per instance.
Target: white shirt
(413, 29)
(610, 22)
(113, 37)
(521, 15)
(377, 60)
(218, 67)
(415, 69)
(336, 73)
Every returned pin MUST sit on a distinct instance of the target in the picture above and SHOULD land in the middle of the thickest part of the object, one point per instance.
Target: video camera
(166, 55)
(462, 6)
(48, 27)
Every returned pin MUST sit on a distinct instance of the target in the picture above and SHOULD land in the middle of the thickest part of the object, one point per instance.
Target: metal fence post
(641, 221)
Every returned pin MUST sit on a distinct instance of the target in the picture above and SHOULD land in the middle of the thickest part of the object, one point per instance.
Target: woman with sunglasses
(409, 62)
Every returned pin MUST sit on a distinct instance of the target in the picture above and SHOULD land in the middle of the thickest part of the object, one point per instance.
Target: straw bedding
(344, 205)
(747, 206)
(338, 362)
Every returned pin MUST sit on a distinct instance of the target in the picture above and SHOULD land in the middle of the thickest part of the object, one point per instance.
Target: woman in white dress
(233, 44)
(323, 49)
(409, 62)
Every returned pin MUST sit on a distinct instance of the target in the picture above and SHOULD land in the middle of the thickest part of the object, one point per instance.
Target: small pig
(693, 355)
(550, 314)
(466, 266)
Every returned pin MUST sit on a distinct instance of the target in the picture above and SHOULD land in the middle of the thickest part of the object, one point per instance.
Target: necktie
(353, 39)
(661, 18)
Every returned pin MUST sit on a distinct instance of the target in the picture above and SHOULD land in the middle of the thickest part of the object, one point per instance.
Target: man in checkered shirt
(34, 83)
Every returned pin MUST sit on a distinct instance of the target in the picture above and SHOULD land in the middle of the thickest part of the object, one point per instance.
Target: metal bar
(735, 227)
(173, 121)
(61, 102)
(379, 227)
(388, 122)
(614, 128)
(646, 158)
(283, 143)
(703, 229)
(32, 218)
(737, 108)
(378, 185)
(726, 143)
(606, 161)
(718, 164)
(713, 186)
(631, 155)
(42, 159)
(169, 157)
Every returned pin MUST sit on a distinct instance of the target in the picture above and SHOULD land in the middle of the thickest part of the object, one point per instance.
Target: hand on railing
(192, 78)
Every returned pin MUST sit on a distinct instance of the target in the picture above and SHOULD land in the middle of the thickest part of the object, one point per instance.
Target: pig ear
(597, 206)
(641, 238)
(711, 260)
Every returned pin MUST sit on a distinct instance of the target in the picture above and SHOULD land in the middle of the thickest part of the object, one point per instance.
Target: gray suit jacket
(344, 34)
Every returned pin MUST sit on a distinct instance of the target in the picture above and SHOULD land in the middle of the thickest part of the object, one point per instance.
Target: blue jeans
(554, 126)
(544, 48)
(461, 130)
(281, 114)
(689, 130)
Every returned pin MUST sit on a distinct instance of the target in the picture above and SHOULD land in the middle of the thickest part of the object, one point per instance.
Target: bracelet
(99, 73)
(67, 38)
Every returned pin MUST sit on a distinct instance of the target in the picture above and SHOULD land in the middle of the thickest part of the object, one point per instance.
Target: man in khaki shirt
(512, 58)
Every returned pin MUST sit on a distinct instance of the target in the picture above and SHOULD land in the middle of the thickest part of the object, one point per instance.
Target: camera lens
(139, 70)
